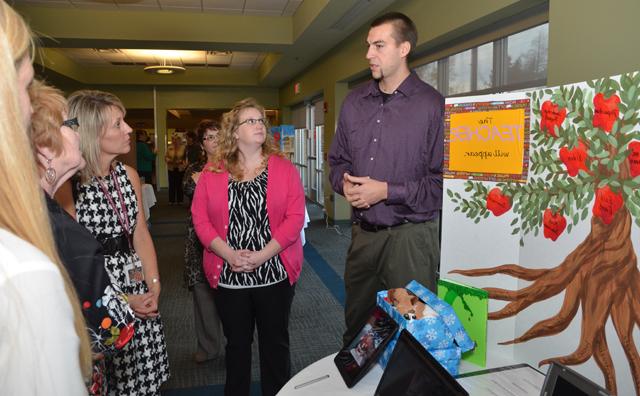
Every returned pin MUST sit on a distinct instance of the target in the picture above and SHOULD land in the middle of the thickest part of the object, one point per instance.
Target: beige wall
(592, 38)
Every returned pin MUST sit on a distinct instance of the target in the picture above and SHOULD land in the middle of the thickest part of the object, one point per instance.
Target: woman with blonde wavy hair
(107, 202)
(44, 348)
(248, 211)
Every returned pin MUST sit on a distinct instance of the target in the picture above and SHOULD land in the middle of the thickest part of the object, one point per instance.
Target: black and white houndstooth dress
(143, 366)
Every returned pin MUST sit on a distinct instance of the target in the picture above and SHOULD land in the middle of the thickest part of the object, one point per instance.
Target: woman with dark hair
(248, 211)
(56, 144)
(207, 322)
(145, 157)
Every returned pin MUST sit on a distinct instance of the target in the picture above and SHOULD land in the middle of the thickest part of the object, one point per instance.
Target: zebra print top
(249, 229)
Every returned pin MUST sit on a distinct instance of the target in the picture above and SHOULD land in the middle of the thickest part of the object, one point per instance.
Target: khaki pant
(384, 260)
(207, 322)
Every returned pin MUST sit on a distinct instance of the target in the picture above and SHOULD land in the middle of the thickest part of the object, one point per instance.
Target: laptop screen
(561, 380)
(412, 371)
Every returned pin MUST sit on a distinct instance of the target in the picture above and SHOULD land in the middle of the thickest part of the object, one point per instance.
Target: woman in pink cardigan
(248, 211)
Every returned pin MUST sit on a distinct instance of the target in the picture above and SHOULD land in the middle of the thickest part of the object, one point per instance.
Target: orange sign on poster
(487, 142)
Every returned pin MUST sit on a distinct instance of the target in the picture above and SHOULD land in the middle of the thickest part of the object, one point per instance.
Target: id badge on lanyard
(133, 271)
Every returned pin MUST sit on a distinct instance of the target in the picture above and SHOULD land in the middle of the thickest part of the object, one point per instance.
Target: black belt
(375, 228)
(119, 244)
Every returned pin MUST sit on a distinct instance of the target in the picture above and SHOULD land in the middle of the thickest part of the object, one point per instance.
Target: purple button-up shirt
(400, 142)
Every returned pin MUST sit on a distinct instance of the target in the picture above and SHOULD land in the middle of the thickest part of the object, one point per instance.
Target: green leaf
(569, 227)
(515, 231)
(449, 193)
(585, 213)
(576, 218)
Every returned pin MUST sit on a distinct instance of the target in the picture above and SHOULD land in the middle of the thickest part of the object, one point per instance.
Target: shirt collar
(407, 87)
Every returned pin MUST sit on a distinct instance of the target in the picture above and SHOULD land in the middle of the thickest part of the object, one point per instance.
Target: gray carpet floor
(317, 321)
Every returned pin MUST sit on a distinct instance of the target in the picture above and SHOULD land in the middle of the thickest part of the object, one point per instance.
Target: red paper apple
(606, 111)
(552, 117)
(634, 158)
(125, 335)
(607, 204)
(554, 224)
(574, 159)
(497, 202)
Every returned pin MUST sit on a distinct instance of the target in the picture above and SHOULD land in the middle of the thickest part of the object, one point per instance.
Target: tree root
(600, 276)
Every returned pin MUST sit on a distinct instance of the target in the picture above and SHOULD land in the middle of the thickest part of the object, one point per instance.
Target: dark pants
(241, 310)
(147, 176)
(384, 260)
(175, 186)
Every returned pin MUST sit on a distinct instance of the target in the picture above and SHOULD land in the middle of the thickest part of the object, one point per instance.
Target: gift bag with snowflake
(434, 324)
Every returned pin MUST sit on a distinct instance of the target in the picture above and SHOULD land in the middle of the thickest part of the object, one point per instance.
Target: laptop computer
(412, 371)
(561, 381)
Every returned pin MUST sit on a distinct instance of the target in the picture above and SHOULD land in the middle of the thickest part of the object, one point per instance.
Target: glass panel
(429, 73)
(485, 66)
(527, 55)
(460, 73)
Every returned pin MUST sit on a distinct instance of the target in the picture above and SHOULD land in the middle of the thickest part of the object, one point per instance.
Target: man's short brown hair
(403, 27)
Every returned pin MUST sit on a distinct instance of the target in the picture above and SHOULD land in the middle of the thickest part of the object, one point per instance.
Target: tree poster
(556, 249)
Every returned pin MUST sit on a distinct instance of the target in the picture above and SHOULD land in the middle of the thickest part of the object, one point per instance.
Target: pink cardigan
(285, 208)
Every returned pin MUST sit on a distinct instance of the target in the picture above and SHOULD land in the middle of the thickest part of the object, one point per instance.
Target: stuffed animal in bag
(408, 305)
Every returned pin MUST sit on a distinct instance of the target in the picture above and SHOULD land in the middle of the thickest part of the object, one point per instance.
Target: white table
(334, 385)
(148, 199)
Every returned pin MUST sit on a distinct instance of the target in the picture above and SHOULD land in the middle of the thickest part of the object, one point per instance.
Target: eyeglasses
(252, 121)
(212, 138)
(72, 123)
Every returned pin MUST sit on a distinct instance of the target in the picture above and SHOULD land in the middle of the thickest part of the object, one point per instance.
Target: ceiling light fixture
(164, 69)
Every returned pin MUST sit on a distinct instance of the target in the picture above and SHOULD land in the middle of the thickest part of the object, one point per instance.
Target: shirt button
(371, 158)
(375, 140)
(225, 227)
(378, 121)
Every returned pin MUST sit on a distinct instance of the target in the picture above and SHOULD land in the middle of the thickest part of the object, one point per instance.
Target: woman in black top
(109, 320)
(209, 334)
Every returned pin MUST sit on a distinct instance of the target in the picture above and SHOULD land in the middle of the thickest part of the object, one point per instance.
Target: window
(513, 62)
(527, 55)
(459, 69)
(429, 74)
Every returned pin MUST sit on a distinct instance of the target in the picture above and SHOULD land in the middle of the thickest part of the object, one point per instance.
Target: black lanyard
(121, 214)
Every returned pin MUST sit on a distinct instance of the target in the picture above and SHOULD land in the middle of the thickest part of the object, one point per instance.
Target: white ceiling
(244, 7)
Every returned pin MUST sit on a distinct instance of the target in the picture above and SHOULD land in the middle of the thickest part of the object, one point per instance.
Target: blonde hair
(23, 211)
(92, 108)
(228, 154)
(48, 107)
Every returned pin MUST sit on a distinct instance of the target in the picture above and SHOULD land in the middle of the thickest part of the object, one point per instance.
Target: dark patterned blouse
(193, 273)
(249, 229)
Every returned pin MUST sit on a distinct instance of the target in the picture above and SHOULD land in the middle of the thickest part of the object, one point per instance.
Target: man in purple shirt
(386, 159)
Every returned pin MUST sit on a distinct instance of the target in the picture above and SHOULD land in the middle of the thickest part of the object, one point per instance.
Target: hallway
(317, 321)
